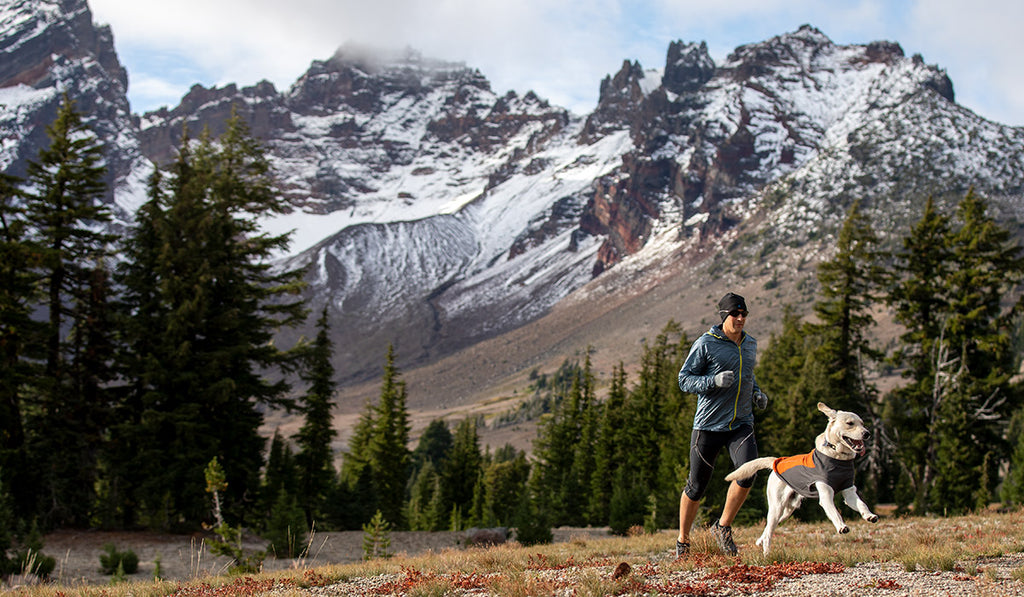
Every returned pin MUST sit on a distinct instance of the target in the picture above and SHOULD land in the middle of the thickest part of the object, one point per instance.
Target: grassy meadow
(901, 548)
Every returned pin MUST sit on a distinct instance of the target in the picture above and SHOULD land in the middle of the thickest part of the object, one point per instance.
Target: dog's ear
(830, 412)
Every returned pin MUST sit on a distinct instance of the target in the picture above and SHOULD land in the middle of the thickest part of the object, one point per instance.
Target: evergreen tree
(558, 435)
(8, 522)
(584, 462)
(476, 515)
(356, 476)
(607, 452)
(388, 447)
(655, 433)
(677, 411)
(976, 402)
(532, 523)
(1012, 491)
(215, 302)
(66, 210)
(462, 468)
(315, 458)
(424, 510)
(435, 443)
(139, 311)
(919, 299)
(850, 282)
(19, 353)
(286, 527)
(788, 371)
(958, 352)
(918, 295)
(281, 475)
(351, 501)
(505, 482)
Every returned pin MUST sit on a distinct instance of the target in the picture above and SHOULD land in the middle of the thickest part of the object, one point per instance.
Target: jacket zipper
(739, 385)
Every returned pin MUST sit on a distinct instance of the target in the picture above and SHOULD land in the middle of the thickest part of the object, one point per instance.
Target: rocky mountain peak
(620, 101)
(688, 66)
(208, 108)
(357, 78)
(51, 48)
(38, 35)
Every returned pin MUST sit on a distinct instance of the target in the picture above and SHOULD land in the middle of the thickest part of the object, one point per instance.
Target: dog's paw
(844, 530)
(872, 518)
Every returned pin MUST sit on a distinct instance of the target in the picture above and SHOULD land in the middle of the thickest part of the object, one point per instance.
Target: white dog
(819, 474)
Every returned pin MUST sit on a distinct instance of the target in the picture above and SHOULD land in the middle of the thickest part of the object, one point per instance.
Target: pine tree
(388, 448)
(921, 306)
(850, 282)
(655, 432)
(423, 510)
(977, 401)
(19, 350)
(677, 411)
(788, 371)
(66, 210)
(356, 475)
(315, 458)
(462, 468)
(607, 452)
(505, 482)
(555, 450)
(1012, 491)
(139, 311)
(8, 522)
(214, 303)
(918, 295)
(287, 528)
(958, 352)
(575, 416)
(476, 516)
(281, 475)
(584, 462)
(435, 443)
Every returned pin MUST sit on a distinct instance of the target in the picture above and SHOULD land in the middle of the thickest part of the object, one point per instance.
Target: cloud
(561, 50)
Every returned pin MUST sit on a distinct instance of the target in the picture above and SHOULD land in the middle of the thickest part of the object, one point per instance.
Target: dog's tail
(750, 468)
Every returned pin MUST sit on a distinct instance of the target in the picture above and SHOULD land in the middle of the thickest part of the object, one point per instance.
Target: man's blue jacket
(721, 409)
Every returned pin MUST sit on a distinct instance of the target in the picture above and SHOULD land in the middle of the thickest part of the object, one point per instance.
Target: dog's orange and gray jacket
(803, 471)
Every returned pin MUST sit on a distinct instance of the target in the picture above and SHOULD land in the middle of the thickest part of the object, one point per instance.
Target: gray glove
(724, 379)
(760, 400)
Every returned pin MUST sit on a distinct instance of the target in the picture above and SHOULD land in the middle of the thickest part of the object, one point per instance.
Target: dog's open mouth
(856, 445)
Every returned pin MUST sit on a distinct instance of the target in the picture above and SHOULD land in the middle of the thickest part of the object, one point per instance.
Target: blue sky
(559, 49)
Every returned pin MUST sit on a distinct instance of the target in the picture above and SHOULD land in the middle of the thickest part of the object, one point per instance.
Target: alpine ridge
(488, 234)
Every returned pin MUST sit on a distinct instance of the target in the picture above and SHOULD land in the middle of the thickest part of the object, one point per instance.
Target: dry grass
(915, 544)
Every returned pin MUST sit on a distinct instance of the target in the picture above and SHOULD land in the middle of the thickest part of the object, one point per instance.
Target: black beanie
(731, 302)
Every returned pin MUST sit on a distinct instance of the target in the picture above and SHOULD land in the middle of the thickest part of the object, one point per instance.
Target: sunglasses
(738, 313)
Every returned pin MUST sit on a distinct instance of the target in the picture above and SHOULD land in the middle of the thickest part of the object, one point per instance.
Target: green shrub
(377, 538)
(31, 561)
(113, 560)
(286, 528)
(28, 557)
(532, 528)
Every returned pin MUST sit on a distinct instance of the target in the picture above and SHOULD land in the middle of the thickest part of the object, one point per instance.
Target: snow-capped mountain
(434, 213)
(51, 48)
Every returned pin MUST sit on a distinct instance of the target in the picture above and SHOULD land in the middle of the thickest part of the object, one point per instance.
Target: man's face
(733, 323)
